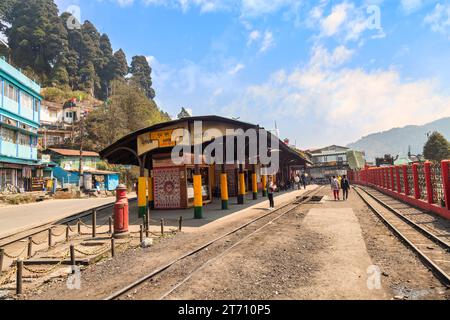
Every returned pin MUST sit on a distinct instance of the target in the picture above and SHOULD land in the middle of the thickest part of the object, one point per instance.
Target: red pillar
(427, 168)
(445, 165)
(405, 179)
(385, 178)
(416, 181)
(392, 178)
(399, 185)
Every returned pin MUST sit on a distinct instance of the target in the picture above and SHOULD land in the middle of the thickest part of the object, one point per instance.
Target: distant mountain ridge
(397, 141)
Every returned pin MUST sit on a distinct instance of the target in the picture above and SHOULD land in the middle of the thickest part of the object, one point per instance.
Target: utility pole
(81, 149)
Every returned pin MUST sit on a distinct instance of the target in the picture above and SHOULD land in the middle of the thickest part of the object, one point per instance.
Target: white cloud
(439, 19)
(246, 8)
(236, 69)
(410, 6)
(268, 42)
(331, 24)
(124, 3)
(264, 40)
(344, 22)
(253, 36)
(346, 103)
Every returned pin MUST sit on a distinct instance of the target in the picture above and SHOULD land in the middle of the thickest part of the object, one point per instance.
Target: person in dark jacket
(345, 186)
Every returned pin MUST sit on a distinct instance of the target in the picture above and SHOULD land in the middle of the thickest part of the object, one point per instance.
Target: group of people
(338, 183)
(300, 181)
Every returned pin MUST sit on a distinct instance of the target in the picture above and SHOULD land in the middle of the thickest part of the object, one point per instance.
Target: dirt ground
(321, 251)
(305, 256)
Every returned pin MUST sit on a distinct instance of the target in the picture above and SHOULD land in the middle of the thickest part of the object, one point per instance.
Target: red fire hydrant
(121, 213)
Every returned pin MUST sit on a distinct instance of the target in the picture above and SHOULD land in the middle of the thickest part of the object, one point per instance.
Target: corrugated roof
(70, 152)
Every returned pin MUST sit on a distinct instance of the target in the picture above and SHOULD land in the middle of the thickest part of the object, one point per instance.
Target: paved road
(22, 217)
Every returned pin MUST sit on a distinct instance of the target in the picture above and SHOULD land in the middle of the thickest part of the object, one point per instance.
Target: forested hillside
(68, 57)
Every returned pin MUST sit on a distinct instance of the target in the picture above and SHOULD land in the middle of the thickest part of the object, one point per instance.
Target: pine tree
(104, 67)
(119, 65)
(141, 71)
(90, 59)
(184, 114)
(437, 148)
(37, 36)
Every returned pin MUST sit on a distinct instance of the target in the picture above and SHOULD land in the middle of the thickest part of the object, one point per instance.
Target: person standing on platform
(297, 182)
(271, 187)
(345, 185)
(335, 188)
(304, 180)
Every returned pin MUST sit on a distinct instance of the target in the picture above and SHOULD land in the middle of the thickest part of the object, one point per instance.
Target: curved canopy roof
(125, 150)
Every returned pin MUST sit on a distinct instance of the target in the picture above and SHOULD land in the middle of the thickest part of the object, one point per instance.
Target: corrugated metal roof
(70, 152)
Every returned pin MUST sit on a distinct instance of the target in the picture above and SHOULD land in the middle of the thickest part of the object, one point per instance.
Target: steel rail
(296, 204)
(438, 272)
(427, 233)
(45, 226)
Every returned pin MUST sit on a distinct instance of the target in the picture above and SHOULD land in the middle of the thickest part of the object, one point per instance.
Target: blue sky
(328, 72)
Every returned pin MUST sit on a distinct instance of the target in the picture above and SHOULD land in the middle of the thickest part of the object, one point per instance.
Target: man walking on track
(345, 185)
(335, 188)
(271, 187)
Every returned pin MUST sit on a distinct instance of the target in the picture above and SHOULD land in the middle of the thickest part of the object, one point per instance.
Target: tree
(37, 36)
(119, 65)
(90, 60)
(6, 7)
(437, 147)
(141, 75)
(127, 110)
(184, 114)
(104, 67)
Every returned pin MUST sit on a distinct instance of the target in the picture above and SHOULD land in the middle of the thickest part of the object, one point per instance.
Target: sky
(326, 72)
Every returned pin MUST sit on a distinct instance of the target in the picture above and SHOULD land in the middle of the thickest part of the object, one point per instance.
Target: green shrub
(53, 94)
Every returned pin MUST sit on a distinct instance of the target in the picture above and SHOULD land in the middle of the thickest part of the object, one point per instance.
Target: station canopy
(140, 147)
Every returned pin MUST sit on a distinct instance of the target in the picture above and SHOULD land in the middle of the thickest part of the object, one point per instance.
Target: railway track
(198, 259)
(433, 249)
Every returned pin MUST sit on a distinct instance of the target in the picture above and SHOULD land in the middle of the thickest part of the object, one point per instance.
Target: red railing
(425, 185)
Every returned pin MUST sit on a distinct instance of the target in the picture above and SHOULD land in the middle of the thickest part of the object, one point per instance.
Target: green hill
(397, 141)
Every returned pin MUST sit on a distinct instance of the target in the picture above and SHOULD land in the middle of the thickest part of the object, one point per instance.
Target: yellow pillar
(224, 190)
(198, 195)
(142, 197)
(255, 185)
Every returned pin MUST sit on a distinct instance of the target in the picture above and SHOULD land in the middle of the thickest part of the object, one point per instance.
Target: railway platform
(310, 247)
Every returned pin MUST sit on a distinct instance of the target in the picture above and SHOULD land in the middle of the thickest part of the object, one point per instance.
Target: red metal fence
(424, 185)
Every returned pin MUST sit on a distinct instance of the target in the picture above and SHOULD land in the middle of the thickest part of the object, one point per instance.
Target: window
(11, 92)
(36, 105)
(24, 139)
(26, 101)
(9, 135)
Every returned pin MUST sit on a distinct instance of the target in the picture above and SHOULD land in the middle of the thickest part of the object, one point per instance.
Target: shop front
(16, 177)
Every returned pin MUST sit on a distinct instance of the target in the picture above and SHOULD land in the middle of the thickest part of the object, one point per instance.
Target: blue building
(20, 103)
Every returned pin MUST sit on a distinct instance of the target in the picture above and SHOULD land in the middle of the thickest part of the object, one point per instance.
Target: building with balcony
(20, 103)
(334, 161)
